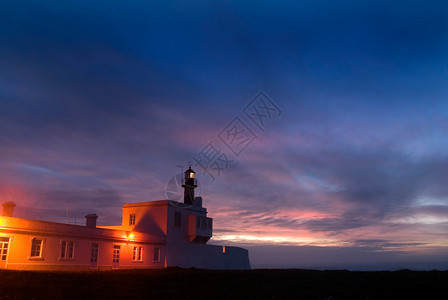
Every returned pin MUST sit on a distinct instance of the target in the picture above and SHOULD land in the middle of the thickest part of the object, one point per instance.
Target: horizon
(318, 130)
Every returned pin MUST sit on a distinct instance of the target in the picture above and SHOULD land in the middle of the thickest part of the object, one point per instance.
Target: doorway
(116, 257)
(94, 256)
(4, 246)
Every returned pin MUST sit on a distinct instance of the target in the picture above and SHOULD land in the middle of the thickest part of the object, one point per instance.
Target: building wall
(178, 234)
(21, 233)
(150, 217)
(208, 257)
(180, 240)
(180, 250)
(159, 217)
(20, 250)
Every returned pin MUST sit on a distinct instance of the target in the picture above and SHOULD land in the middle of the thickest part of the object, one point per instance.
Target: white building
(155, 234)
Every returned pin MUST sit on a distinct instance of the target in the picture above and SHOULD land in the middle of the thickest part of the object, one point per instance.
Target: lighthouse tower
(189, 186)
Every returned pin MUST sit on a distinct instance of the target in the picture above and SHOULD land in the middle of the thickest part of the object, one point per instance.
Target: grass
(174, 283)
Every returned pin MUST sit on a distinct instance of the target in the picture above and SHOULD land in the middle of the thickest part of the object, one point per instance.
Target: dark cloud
(54, 204)
(384, 245)
(433, 210)
(376, 183)
(336, 224)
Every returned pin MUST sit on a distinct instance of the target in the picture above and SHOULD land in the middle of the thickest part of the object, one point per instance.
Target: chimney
(91, 220)
(8, 209)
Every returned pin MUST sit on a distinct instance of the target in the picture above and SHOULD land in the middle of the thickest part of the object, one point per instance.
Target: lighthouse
(189, 186)
(152, 235)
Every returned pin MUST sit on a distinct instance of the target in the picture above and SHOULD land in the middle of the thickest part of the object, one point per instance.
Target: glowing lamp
(189, 186)
(189, 173)
(130, 235)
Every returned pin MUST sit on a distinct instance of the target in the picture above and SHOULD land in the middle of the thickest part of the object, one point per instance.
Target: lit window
(138, 254)
(132, 219)
(36, 247)
(67, 250)
(4, 243)
(156, 254)
(177, 219)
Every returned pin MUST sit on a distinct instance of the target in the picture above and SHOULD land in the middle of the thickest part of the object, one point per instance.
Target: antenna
(199, 188)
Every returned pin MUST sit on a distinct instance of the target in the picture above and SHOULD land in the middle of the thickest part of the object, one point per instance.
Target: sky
(318, 129)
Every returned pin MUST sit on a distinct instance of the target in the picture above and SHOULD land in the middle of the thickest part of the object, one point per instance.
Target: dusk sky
(328, 121)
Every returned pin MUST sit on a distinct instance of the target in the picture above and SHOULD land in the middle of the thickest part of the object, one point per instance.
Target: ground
(177, 283)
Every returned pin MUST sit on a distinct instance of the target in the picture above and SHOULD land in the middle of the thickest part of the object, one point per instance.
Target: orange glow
(279, 240)
(131, 236)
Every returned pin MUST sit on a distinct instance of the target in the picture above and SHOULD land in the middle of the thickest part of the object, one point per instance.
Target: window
(132, 219)
(116, 256)
(156, 255)
(4, 243)
(177, 217)
(67, 250)
(36, 247)
(138, 254)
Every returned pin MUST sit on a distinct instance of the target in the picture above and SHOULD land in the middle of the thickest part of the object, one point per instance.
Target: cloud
(99, 109)
(336, 224)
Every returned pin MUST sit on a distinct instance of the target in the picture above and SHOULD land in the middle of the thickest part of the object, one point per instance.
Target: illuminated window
(156, 255)
(67, 250)
(138, 254)
(36, 247)
(132, 219)
(4, 243)
(116, 255)
(177, 220)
